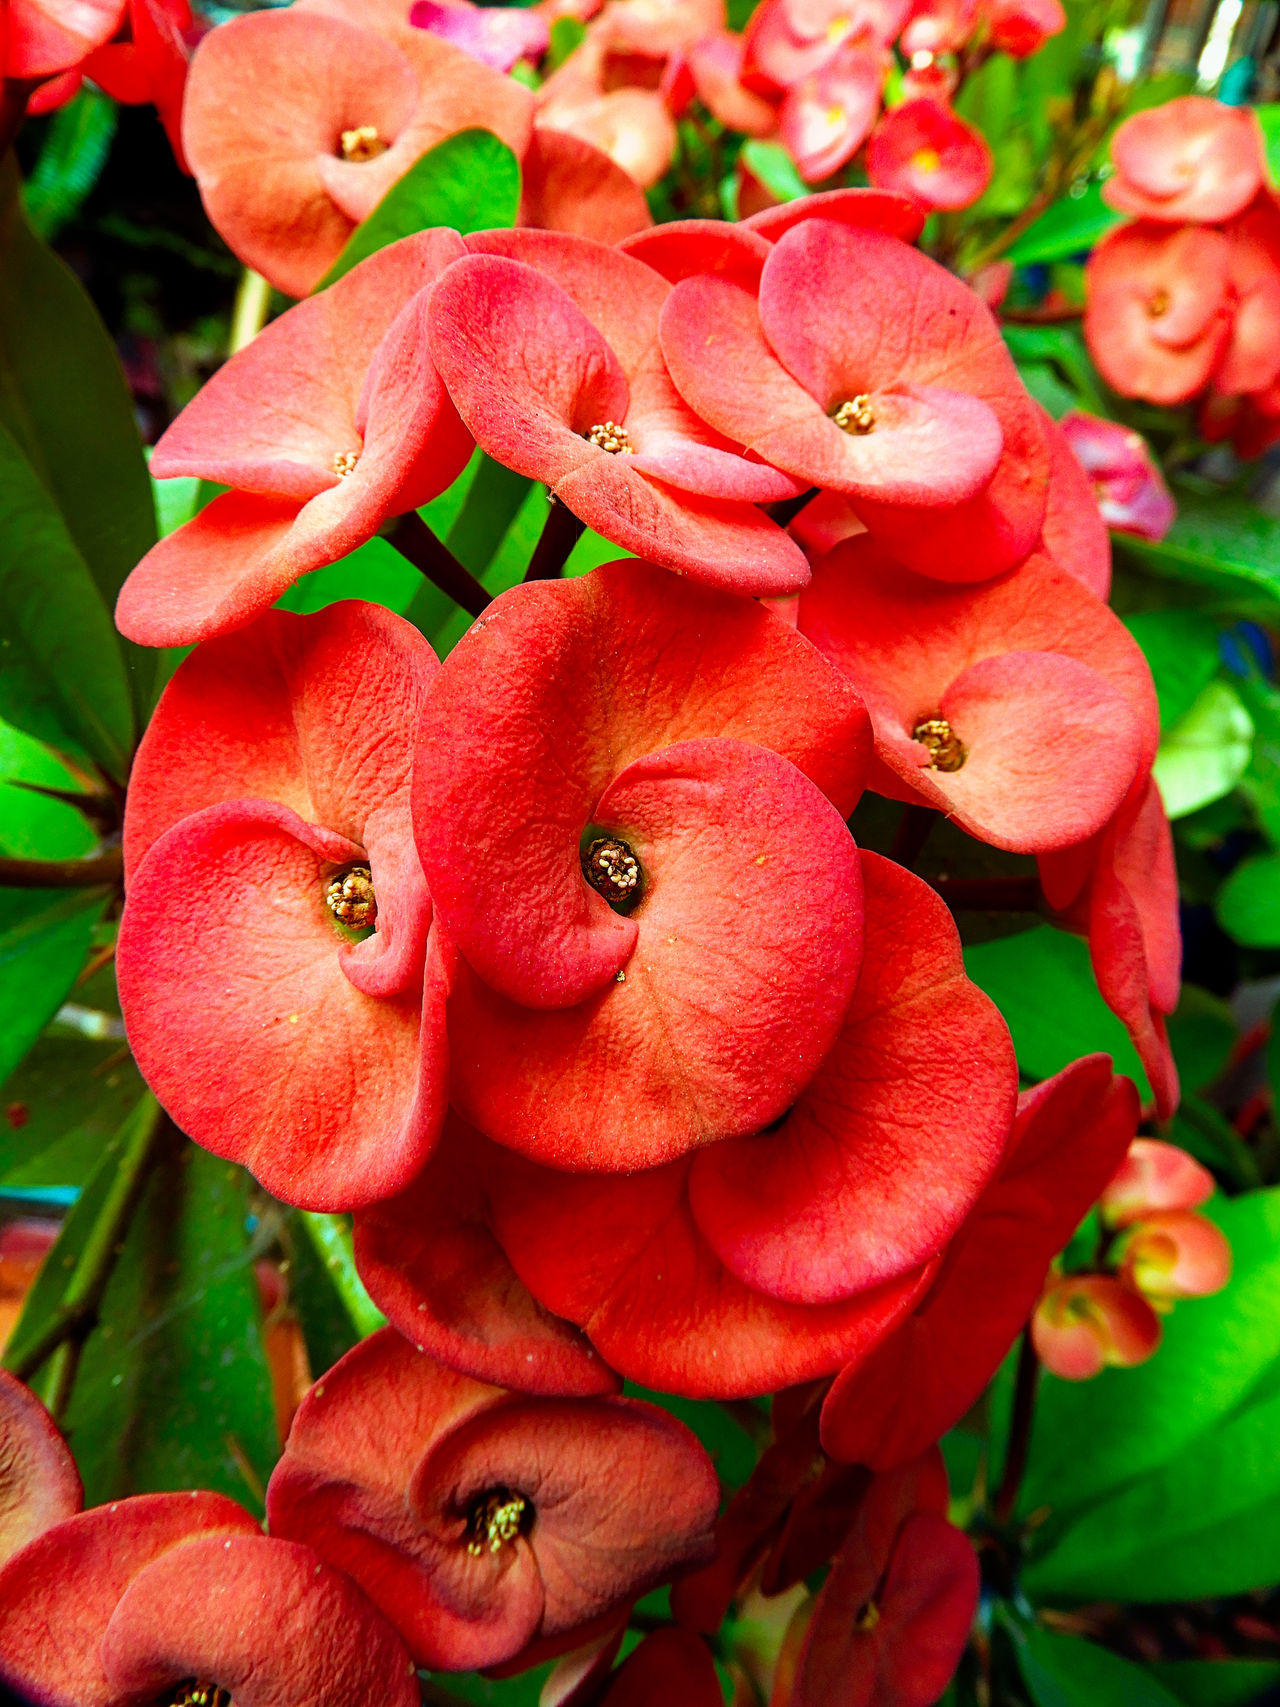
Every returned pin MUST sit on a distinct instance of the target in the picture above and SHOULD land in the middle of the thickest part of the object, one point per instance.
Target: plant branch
(413, 539)
(106, 868)
(559, 535)
(102, 810)
(249, 315)
(332, 1242)
(1024, 1406)
(990, 894)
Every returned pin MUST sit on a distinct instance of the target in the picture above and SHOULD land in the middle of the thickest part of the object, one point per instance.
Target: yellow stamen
(947, 752)
(362, 143)
(608, 435)
(856, 416)
(344, 462)
(496, 1521)
(350, 898)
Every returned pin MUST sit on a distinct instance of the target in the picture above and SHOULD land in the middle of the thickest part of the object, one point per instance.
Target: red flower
(1153, 1177)
(329, 422)
(925, 150)
(482, 1521)
(568, 184)
(1131, 494)
(1069, 1133)
(634, 731)
(45, 37)
(788, 41)
(669, 1665)
(1023, 708)
(151, 67)
(297, 123)
(548, 345)
(863, 367)
(893, 1616)
(1191, 159)
(1172, 1254)
(267, 828)
(1159, 309)
(826, 117)
(1021, 27)
(1086, 1323)
(1252, 359)
(39, 1482)
(715, 67)
(593, 95)
(759, 1262)
(131, 1600)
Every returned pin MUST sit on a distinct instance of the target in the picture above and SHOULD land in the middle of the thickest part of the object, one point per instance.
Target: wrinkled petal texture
(39, 1482)
(1071, 1132)
(262, 1618)
(875, 1168)
(1191, 159)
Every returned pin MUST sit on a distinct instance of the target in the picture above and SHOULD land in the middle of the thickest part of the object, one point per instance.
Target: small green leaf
(1202, 1034)
(567, 36)
(1217, 1683)
(776, 170)
(1248, 904)
(1062, 348)
(62, 1106)
(1069, 227)
(1043, 984)
(1268, 116)
(1260, 783)
(1206, 752)
(470, 181)
(32, 826)
(72, 156)
(1063, 1671)
(375, 571)
(1222, 542)
(44, 938)
(1182, 650)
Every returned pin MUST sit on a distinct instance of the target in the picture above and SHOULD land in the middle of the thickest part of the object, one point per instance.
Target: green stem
(107, 868)
(249, 315)
(332, 1241)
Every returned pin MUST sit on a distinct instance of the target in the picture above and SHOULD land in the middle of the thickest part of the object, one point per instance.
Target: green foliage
(71, 159)
(1222, 544)
(470, 181)
(1206, 752)
(1217, 1683)
(62, 1106)
(567, 35)
(1269, 119)
(1202, 1033)
(774, 167)
(33, 826)
(1063, 1671)
(1069, 227)
(1182, 650)
(44, 938)
(1248, 904)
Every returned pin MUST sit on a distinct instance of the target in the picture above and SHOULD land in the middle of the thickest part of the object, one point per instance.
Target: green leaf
(1063, 348)
(1182, 650)
(1063, 1671)
(1202, 1034)
(729, 1445)
(375, 571)
(1069, 227)
(173, 1389)
(1092, 1437)
(1043, 984)
(1206, 752)
(775, 168)
(1217, 1683)
(1209, 1136)
(64, 398)
(1260, 783)
(44, 938)
(1268, 116)
(62, 1106)
(1222, 542)
(1248, 904)
(470, 181)
(61, 674)
(567, 35)
(1207, 1522)
(32, 826)
(72, 156)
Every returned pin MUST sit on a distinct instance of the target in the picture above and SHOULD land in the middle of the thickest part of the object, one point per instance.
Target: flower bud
(1087, 1322)
(1175, 1254)
(1153, 1177)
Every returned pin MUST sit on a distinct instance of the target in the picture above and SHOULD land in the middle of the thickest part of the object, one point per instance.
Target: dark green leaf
(1063, 348)
(72, 156)
(1182, 650)
(470, 181)
(1063, 1671)
(1209, 1136)
(1069, 227)
(1217, 1683)
(32, 826)
(61, 674)
(1202, 1034)
(1042, 982)
(62, 1106)
(1248, 904)
(326, 1323)
(523, 1690)
(1092, 1437)
(1260, 783)
(1222, 542)
(44, 938)
(173, 1389)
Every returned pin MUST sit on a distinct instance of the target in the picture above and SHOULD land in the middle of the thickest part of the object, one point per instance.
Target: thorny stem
(332, 1243)
(106, 868)
(413, 539)
(1024, 1405)
(990, 894)
(559, 535)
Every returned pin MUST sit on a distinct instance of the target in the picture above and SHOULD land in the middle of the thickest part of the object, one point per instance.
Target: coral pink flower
(840, 386)
(638, 757)
(788, 41)
(962, 685)
(1252, 359)
(715, 67)
(132, 1600)
(45, 37)
(655, 29)
(826, 117)
(498, 36)
(1086, 1323)
(1191, 160)
(267, 829)
(860, 209)
(892, 1619)
(1159, 309)
(630, 123)
(568, 184)
(923, 149)
(548, 345)
(1174, 1254)
(483, 1521)
(773, 1259)
(938, 27)
(39, 1482)
(1154, 1176)
(1068, 1134)
(329, 422)
(296, 125)
(1022, 27)
(1074, 534)
(1131, 493)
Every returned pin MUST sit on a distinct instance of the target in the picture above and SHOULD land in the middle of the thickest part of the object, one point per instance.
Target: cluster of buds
(1153, 1250)
(1184, 299)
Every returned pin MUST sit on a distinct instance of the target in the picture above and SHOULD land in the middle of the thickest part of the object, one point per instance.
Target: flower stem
(1024, 1406)
(560, 534)
(107, 868)
(332, 1241)
(249, 315)
(413, 539)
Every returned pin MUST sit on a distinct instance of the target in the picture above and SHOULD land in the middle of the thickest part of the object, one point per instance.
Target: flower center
(856, 416)
(926, 160)
(608, 435)
(350, 898)
(495, 1519)
(839, 28)
(362, 143)
(1158, 304)
(947, 752)
(344, 462)
(198, 1695)
(613, 871)
(869, 1617)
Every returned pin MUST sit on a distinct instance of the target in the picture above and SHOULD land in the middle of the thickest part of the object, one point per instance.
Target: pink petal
(39, 1482)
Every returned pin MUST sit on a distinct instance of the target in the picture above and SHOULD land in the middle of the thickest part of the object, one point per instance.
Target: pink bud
(1086, 1322)
(1154, 1176)
(1175, 1254)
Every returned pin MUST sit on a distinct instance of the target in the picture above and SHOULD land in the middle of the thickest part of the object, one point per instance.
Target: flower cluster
(1184, 300)
(1152, 1250)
